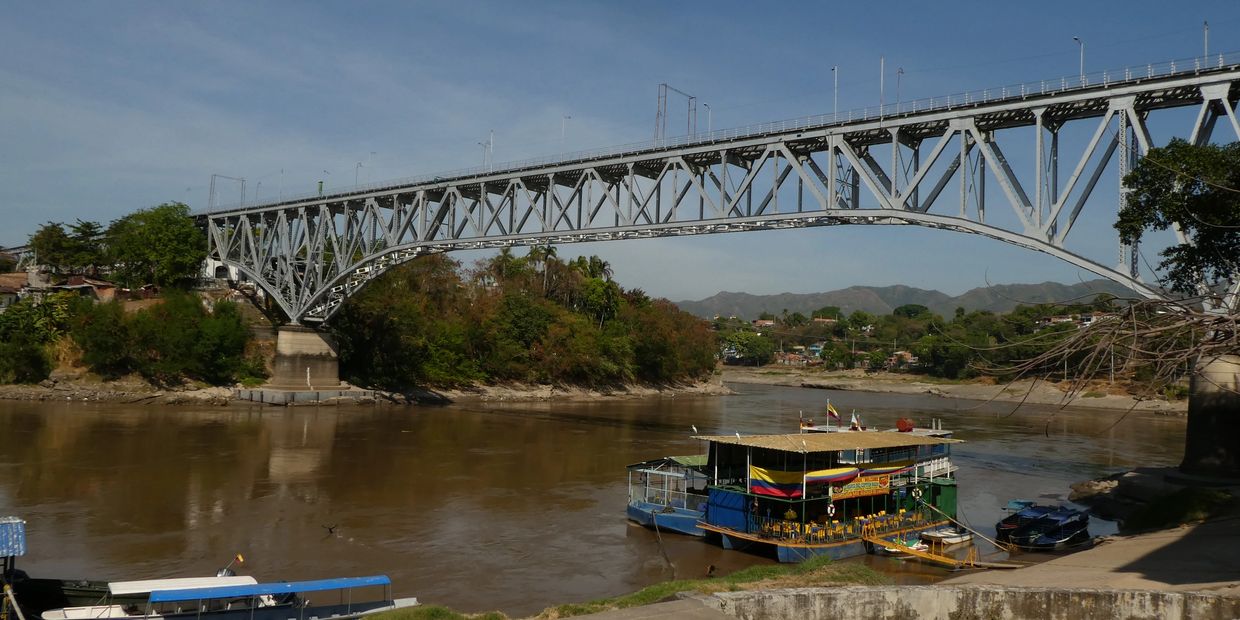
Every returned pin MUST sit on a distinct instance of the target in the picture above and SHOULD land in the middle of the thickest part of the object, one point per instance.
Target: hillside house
(11, 285)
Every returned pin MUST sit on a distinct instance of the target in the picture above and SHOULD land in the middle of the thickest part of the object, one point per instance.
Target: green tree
(23, 361)
(39, 321)
(160, 246)
(86, 250)
(755, 349)
(912, 311)
(102, 332)
(1192, 188)
(827, 312)
(601, 299)
(53, 246)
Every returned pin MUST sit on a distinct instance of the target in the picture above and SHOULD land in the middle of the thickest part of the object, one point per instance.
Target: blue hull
(679, 520)
(793, 552)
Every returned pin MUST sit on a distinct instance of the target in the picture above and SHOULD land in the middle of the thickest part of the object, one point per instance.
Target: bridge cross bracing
(894, 165)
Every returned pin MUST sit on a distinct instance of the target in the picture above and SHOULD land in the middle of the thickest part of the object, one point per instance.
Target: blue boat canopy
(259, 589)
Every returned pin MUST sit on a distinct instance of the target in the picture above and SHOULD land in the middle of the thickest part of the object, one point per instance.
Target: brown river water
(478, 506)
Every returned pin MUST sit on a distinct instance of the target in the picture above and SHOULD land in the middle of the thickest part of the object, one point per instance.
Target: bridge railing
(1098, 79)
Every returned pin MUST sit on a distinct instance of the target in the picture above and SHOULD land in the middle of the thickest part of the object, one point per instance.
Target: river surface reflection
(482, 506)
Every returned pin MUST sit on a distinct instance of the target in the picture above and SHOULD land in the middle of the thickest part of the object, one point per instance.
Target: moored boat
(901, 546)
(669, 493)
(1058, 529)
(947, 536)
(808, 494)
(238, 598)
(1009, 524)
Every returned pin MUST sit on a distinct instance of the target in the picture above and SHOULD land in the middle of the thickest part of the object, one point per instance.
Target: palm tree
(548, 255)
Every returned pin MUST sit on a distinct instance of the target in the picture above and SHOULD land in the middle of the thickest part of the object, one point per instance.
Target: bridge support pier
(1212, 445)
(305, 360)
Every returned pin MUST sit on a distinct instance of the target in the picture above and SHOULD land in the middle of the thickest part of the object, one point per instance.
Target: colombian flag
(832, 412)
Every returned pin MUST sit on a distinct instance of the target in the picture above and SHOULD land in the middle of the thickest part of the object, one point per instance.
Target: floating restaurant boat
(802, 495)
(669, 494)
(239, 598)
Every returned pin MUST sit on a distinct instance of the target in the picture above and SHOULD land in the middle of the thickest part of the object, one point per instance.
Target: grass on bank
(815, 572)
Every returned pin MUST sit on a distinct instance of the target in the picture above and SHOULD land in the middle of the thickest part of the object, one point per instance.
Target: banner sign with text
(863, 486)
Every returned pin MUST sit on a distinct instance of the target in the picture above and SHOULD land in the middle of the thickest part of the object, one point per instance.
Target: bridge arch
(311, 253)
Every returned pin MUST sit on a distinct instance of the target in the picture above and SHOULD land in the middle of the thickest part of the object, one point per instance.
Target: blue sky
(113, 106)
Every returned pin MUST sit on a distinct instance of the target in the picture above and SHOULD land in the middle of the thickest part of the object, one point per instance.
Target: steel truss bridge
(885, 165)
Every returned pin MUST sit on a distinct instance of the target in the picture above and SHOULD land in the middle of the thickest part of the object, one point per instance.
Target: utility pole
(660, 117)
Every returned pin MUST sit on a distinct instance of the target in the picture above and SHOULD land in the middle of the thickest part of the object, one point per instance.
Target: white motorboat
(947, 536)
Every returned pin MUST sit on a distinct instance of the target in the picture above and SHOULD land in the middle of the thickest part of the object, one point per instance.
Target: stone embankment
(970, 602)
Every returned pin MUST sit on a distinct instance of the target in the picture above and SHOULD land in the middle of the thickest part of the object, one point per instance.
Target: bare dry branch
(1155, 342)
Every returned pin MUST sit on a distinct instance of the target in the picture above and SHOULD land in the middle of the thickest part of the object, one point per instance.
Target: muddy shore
(134, 390)
(1102, 396)
(88, 388)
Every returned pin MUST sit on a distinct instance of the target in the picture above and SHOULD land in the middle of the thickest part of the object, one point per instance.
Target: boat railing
(666, 497)
(834, 530)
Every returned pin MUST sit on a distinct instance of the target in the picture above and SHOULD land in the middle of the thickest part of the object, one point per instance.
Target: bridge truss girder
(310, 256)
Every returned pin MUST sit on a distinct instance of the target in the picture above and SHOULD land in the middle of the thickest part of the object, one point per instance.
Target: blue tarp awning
(259, 589)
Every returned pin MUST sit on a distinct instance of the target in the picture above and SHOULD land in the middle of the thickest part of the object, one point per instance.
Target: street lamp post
(356, 169)
(882, 77)
(563, 122)
(899, 72)
(1205, 33)
(835, 93)
(1081, 44)
(707, 106)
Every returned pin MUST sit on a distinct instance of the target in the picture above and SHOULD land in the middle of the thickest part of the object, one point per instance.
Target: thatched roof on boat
(829, 442)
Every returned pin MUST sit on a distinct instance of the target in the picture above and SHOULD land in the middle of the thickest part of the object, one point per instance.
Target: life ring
(916, 492)
(830, 510)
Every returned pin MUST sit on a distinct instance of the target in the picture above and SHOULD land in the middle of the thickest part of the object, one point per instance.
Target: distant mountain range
(884, 299)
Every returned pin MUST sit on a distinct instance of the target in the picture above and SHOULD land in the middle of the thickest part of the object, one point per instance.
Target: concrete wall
(305, 360)
(972, 602)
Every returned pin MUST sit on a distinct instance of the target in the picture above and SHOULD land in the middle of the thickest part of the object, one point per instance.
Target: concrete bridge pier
(1212, 443)
(305, 360)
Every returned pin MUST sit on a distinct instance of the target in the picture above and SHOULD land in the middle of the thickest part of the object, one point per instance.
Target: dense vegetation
(159, 246)
(169, 342)
(969, 344)
(533, 318)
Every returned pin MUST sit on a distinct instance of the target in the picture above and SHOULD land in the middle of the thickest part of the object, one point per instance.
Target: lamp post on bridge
(356, 169)
(835, 93)
(1081, 44)
(707, 106)
(563, 123)
(899, 72)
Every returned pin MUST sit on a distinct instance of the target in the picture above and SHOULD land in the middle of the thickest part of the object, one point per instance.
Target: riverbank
(1102, 396)
(134, 390)
(88, 388)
